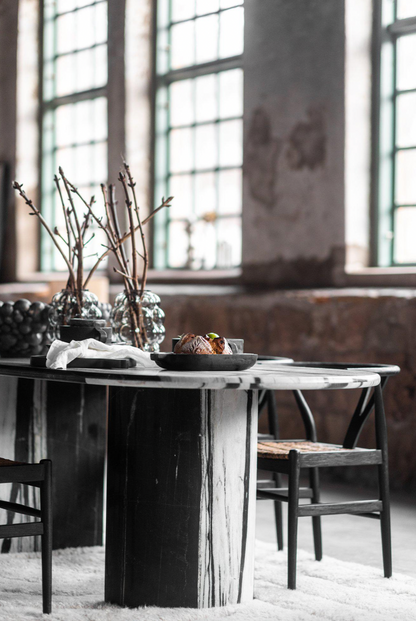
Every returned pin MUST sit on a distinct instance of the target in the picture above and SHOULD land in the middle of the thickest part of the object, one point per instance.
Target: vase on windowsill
(138, 320)
(68, 304)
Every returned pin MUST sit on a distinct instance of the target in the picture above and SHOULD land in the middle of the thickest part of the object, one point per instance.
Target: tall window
(74, 108)
(397, 134)
(199, 107)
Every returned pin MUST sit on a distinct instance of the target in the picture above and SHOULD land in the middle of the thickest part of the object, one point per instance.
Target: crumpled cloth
(61, 354)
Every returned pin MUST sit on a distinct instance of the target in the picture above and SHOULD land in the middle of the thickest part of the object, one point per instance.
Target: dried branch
(78, 241)
(132, 185)
(113, 209)
(18, 187)
(165, 203)
(55, 230)
(128, 202)
(58, 185)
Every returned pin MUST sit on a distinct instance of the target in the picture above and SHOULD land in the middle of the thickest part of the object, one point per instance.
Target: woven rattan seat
(280, 450)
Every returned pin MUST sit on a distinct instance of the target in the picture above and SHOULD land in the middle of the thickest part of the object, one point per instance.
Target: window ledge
(229, 276)
(381, 276)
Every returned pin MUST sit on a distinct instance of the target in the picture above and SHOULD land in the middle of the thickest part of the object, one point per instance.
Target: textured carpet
(327, 591)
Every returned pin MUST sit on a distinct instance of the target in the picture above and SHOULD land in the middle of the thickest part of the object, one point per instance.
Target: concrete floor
(352, 538)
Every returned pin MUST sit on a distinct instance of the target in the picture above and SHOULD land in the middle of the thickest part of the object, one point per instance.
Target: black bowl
(204, 362)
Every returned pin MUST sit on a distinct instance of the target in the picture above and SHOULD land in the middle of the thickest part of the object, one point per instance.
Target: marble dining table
(181, 474)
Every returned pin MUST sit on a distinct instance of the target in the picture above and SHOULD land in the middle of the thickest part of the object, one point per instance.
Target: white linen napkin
(61, 354)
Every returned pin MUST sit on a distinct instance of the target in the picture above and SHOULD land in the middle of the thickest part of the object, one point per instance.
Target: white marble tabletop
(264, 375)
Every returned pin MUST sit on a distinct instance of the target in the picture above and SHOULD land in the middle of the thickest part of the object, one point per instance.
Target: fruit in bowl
(211, 343)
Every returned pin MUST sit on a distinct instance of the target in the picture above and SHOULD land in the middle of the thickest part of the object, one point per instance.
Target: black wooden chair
(290, 456)
(37, 475)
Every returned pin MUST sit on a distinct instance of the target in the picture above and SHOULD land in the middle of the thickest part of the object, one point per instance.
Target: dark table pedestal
(181, 497)
(76, 437)
(67, 424)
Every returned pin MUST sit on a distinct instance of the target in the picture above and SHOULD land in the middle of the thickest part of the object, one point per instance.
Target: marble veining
(227, 509)
(261, 376)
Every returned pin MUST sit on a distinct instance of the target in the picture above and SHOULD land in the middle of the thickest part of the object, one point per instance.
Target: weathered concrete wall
(322, 325)
(293, 216)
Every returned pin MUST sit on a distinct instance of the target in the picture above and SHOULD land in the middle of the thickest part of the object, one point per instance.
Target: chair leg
(383, 481)
(278, 514)
(46, 507)
(294, 475)
(385, 521)
(273, 420)
(316, 520)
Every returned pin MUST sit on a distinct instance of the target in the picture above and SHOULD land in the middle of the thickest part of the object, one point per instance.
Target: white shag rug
(327, 591)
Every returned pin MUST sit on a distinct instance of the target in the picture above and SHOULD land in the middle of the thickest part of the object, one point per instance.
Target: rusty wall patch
(261, 155)
(307, 142)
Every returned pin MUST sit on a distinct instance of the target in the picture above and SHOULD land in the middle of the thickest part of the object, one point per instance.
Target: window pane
(84, 159)
(181, 103)
(65, 5)
(231, 143)
(65, 75)
(205, 194)
(81, 3)
(404, 239)
(231, 32)
(64, 126)
(99, 111)
(100, 23)
(85, 28)
(206, 98)
(230, 192)
(225, 4)
(180, 187)
(206, 6)
(65, 33)
(406, 8)
(406, 120)
(182, 9)
(204, 241)
(74, 134)
(65, 159)
(83, 122)
(181, 150)
(206, 38)
(231, 93)
(406, 177)
(182, 45)
(85, 70)
(205, 146)
(406, 62)
(48, 81)
(229, 243)
(178, 240)
(100, 66)
(99, 155)
(200, 128)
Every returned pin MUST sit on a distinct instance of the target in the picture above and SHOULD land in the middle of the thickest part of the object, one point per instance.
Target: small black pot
(80, 329)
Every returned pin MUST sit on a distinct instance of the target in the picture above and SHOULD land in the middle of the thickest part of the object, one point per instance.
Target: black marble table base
(180, 497)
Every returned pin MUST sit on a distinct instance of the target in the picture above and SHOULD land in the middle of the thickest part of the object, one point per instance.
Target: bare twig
(128, 202)
(55, 230)
(19, 188)
(78, 242)
(132, 185)
(165, 203)
(68, 233)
